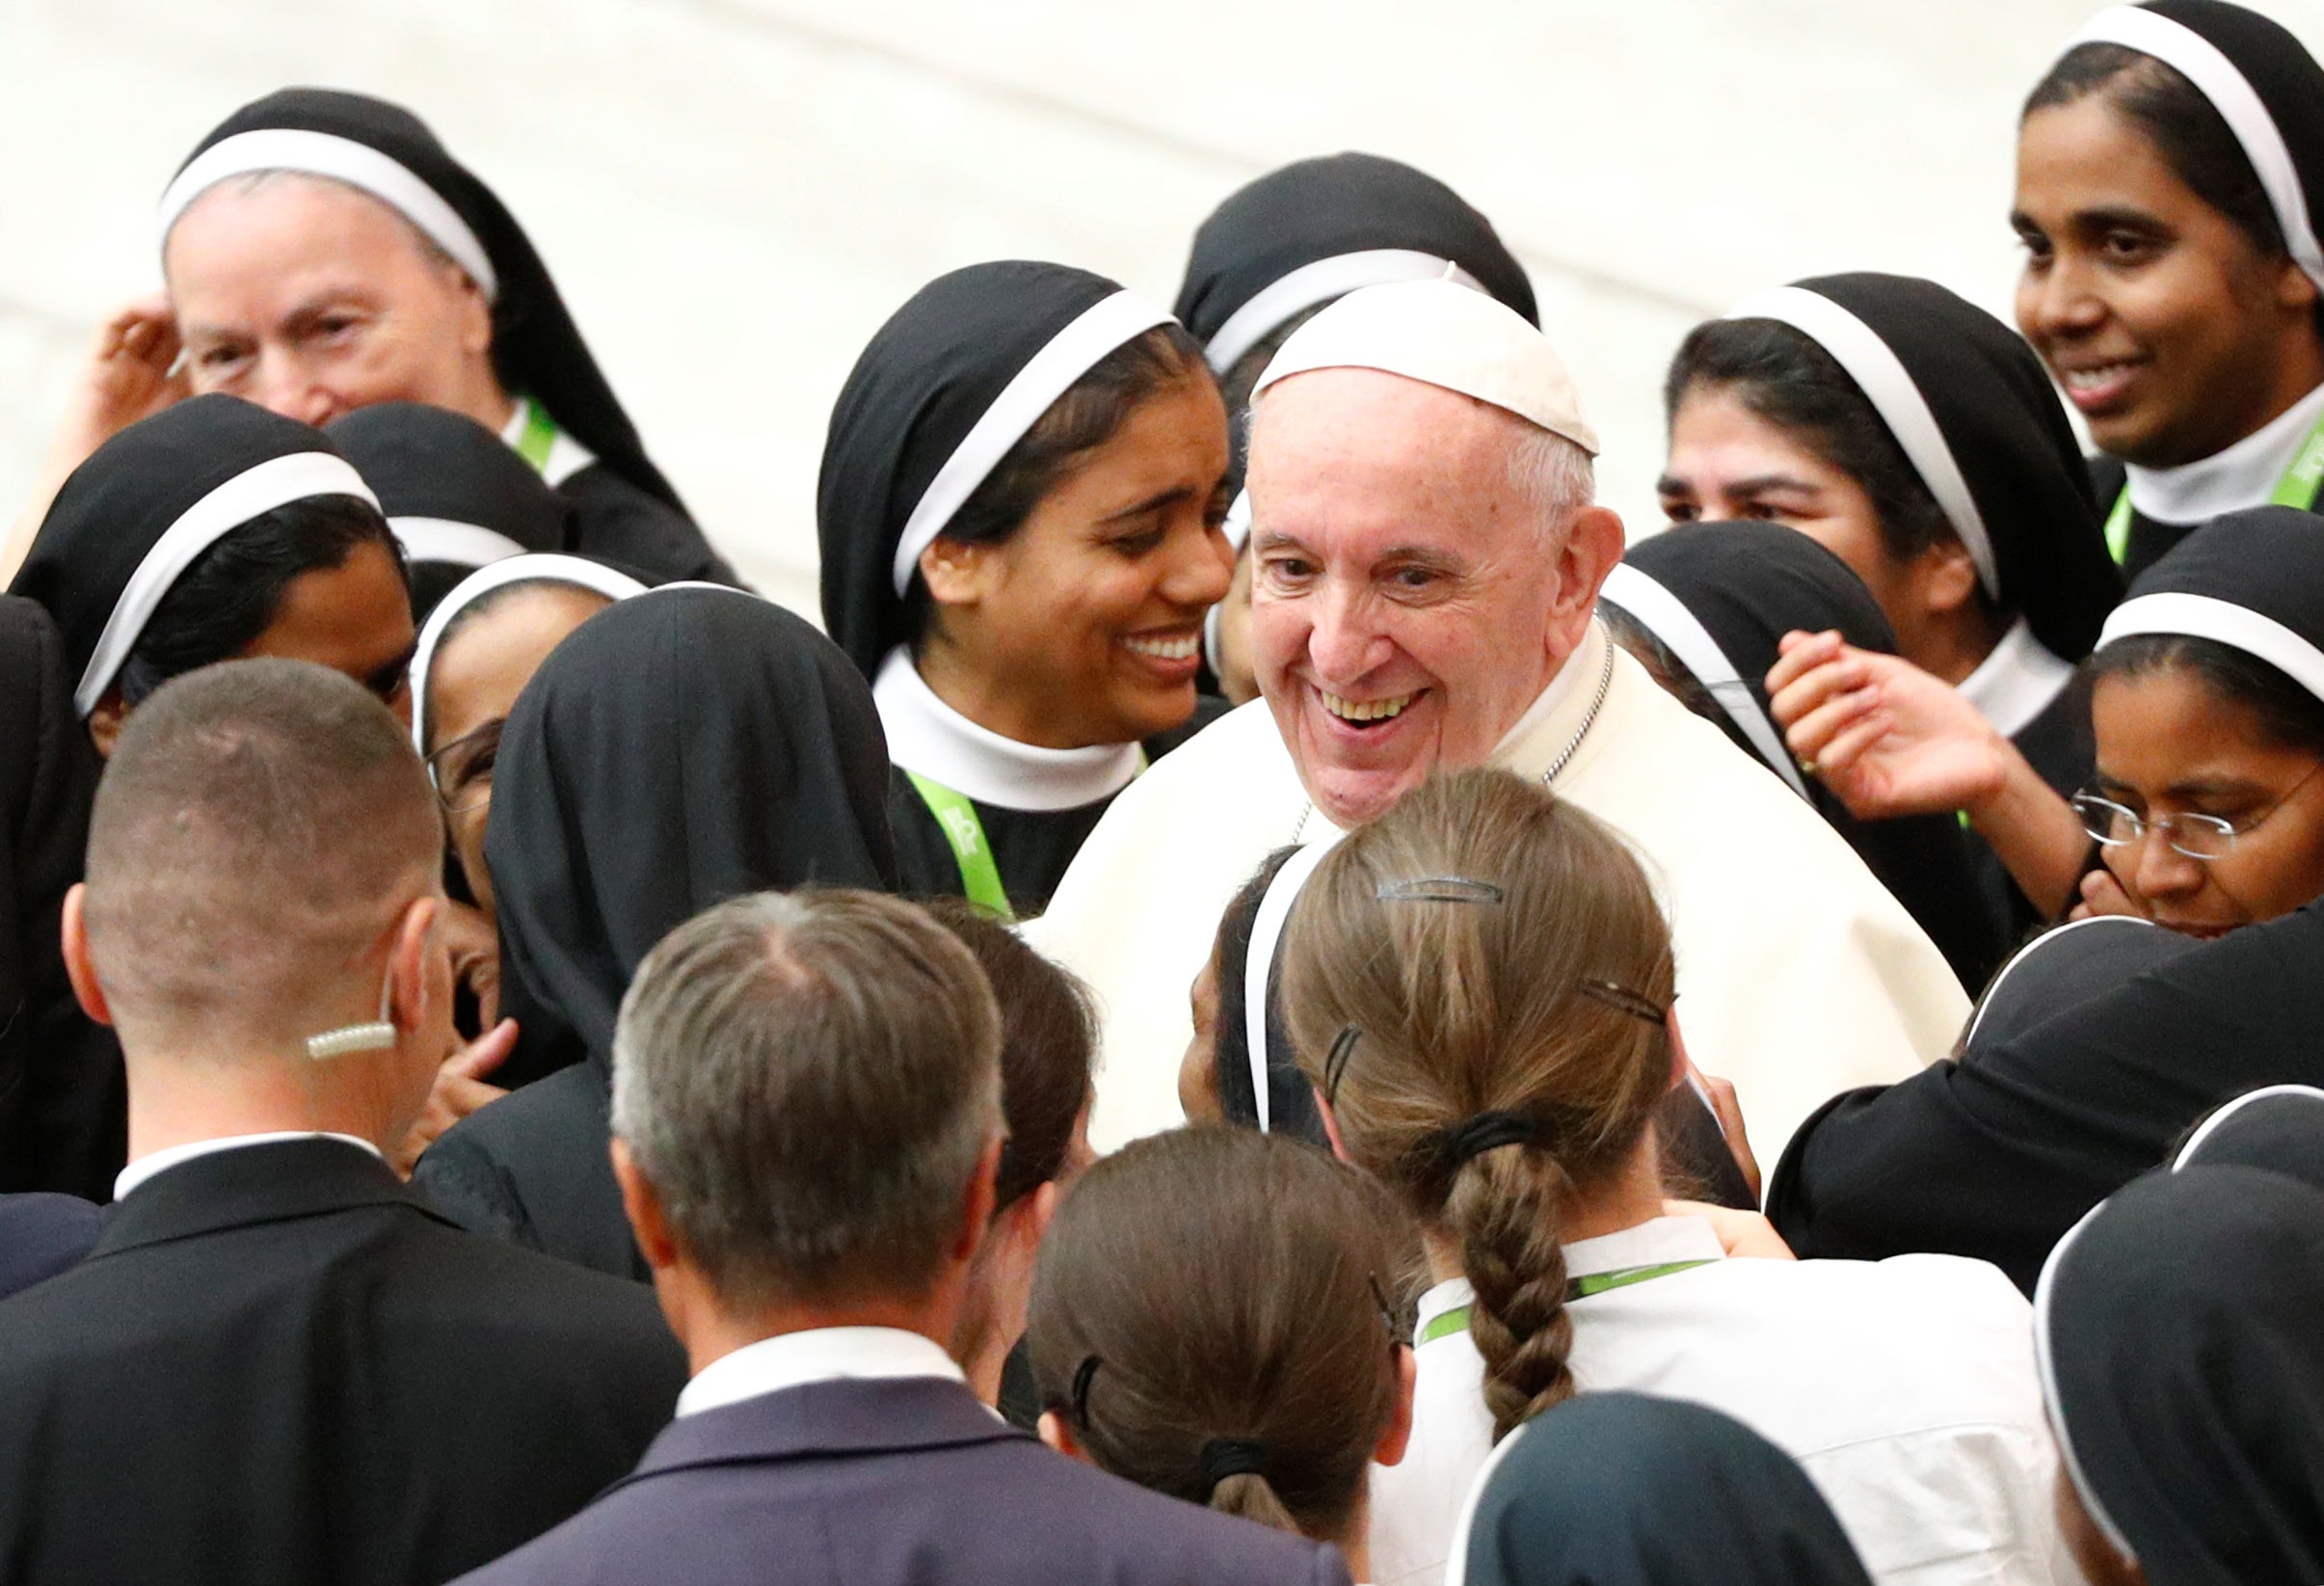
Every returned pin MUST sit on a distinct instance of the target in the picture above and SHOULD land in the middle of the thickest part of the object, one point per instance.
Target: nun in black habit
(63, 1111)
(1625, 1490)
(1991, 475)
(2182, 1360)
(1996, 1155)
(457, 498)
(2278, 1127)
(2097, 1049)
(2214, 102)
(1709, 603)
(682, 747)
(1300, 237)
(178, 542)
(1019, 516)
(554, 407)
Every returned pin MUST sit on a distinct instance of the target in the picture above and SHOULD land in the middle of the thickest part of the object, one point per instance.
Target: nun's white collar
(928, 737)
(566, 457)
(2241, 476)
(2016, 681)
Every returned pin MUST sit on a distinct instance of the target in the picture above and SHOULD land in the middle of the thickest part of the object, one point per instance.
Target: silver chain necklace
(1589, 719)
(1573, 744)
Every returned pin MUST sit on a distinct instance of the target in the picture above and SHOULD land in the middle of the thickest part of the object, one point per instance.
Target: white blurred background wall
(733, 194)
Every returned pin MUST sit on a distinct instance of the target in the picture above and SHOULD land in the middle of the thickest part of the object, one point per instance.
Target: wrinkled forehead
(266, 224)
(1340, 457)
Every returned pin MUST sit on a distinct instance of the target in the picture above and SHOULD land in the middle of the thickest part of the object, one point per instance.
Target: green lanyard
(2297, 487)
(539, 436)
(1457, 1319)
(956, 818)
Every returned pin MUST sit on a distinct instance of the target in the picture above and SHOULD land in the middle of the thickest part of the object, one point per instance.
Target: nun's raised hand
(2102, 894)
(1882, 734)
(458, 1091)
(474, 943)
(127, 375)
(130, 373)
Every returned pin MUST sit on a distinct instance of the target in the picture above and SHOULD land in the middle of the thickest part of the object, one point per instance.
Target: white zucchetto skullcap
(1442, 333)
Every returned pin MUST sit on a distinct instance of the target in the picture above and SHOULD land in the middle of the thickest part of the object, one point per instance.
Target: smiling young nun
(1912, 435)
(1019, 514)
(2170, 179)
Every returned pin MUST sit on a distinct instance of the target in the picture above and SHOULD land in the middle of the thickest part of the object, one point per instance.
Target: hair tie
(1439, 889)
(1224, 1456)
(1623, 1000)
(1335, 1061)
(1454, 1147)
(1081, 1373)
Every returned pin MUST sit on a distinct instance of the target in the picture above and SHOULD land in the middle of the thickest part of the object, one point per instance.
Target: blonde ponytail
(1477, 985)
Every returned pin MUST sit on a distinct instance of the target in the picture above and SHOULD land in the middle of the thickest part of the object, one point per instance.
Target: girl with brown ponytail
(1214, 1318)
(1479, 985)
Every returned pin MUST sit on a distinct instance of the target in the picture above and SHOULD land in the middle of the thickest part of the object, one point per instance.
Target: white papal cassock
(1798, 976)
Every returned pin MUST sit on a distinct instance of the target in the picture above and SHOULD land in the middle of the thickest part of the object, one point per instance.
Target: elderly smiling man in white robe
(1427, 563)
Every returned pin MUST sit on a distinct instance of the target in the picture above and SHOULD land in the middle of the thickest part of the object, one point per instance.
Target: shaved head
(259, 829)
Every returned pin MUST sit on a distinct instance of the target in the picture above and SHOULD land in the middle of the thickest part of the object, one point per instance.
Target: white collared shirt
(1904, 1388)
(154, 1163)
(928, 735)
(2239, 477)
(818, 1355)
(2016, 681)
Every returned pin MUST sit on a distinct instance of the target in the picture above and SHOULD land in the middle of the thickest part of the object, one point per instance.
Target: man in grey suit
(807, 1122)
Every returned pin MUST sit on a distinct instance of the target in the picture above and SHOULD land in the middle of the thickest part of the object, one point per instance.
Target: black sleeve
(64, 1104)
(531, 1169)
(461, 1179)
(1997, 1158)
(613, 521)
(924, 864)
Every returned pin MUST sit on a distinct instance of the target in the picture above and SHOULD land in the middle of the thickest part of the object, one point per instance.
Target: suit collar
(847, 1416)
(253, 1184)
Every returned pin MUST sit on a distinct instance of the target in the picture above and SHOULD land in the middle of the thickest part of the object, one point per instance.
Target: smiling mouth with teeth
(2090, 380)
(1364, 712)
(1181, 648)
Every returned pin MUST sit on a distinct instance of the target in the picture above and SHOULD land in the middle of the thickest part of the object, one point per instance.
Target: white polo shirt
(1904, 1388)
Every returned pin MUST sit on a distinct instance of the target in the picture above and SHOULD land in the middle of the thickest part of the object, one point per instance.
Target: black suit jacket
(909, 1479)
(278, 1366)
(41, 1235)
